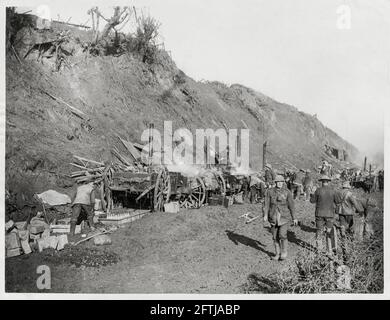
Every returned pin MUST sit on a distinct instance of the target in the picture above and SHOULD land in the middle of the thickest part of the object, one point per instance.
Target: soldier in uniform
(298, 184)
(269, 175)
(254, 181)
(84, 200)
(364, 227)
(308, 185)
(278, 206)
(245, 187)
(381, 180)
(326, 199)
(347, 209)
(326, 169)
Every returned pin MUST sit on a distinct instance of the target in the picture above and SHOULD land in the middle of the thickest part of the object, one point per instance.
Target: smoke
(378, 159)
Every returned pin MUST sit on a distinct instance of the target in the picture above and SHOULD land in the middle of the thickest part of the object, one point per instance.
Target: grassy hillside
(121, 95)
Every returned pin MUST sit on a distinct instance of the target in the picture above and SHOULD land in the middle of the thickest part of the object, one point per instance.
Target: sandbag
(38, 222)
(102, 239)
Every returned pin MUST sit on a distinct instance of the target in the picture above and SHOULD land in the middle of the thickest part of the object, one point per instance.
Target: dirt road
(210, 250)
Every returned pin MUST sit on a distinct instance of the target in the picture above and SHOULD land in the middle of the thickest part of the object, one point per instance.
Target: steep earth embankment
(121, 96)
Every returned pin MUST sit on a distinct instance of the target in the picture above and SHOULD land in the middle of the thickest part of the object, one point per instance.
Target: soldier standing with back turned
(326, 199)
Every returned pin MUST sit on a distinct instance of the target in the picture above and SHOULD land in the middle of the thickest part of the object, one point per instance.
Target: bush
(145, 39)
(15, 22)
(313, 272)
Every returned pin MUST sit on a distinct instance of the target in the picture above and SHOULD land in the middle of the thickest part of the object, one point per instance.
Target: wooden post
(264, 154)
(365, 164)
(150, 155)
(207, 150)
(227, 156)
(238, 144)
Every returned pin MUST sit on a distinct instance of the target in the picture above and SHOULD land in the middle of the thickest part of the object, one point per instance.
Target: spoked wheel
(196, 196)
(162, 189)
(221, 182)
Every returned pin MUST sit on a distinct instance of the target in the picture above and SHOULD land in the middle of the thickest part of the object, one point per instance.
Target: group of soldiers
(300, 183)
(253, 187)
(277, 193)
(369, 181)
(334, 207)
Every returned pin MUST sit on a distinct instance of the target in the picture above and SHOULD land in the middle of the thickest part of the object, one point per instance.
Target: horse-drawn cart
(151, 189)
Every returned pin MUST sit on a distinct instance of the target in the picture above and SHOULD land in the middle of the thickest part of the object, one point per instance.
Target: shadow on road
(293, 239)
(239, 238)
(307, 228)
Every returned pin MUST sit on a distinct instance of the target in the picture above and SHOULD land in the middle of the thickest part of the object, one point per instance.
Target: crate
(227, 201)
(36, 229)
(12, 241)
(12, 245)
(14, 252)
(214, 201)
(123, 218)
(172, 207)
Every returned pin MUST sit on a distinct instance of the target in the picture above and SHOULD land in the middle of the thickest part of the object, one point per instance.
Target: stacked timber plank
(129, 155)
(88, 170)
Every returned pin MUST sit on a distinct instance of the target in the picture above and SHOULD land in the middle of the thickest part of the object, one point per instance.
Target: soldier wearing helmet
(278, 207)
(269, 175)
(308, 184)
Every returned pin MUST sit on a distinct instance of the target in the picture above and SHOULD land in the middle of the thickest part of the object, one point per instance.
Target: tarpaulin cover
(54, 198)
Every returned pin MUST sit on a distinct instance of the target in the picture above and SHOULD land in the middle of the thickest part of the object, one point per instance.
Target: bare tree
(120, 16)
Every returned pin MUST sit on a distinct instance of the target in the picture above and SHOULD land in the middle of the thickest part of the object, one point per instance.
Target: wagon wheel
(162, 189)
(197, 196)
(221, 182)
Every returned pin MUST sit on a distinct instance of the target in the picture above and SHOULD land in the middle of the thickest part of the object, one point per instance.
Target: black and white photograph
(191, 148)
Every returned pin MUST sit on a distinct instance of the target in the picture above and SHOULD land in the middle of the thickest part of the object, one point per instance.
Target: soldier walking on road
(308, 185)
(325, 198)
(381, 180)
(278, 206)
(347, 209)
(364, 227)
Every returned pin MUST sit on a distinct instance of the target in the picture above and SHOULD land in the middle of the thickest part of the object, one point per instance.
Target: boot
(342, 232)
(319, 244)
(284, 245)
(329, 245)
(91, 223)
(72, 228)
(277, 251)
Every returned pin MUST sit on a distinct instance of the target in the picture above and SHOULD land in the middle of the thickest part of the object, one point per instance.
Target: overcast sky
(293, 51)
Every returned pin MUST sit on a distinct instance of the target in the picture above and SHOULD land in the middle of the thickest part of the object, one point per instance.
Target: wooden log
(130, 147)
(78, 166)
(74, 110)
(90, 178)
(15, 53)
(89, 161)
(75, 175)
(79, 172)
(103, 201)
(147, 190)
(92, 236)
(123, 159)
